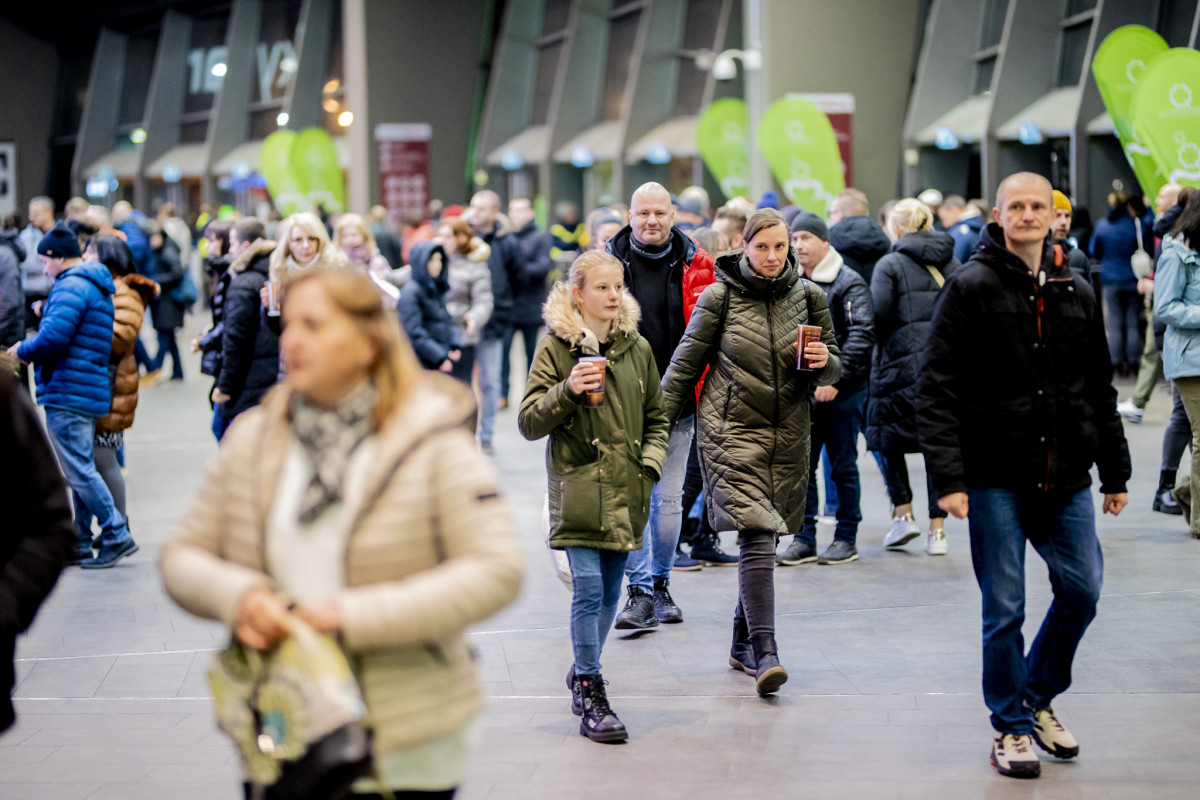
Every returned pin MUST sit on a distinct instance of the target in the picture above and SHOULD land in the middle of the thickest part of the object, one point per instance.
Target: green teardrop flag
(1119, 67)
(724, 145)
(800, 146)
(315, 162)
(1166, 114)
(275, 164)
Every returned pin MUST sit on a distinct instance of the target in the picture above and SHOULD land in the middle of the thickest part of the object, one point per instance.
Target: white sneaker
(935, 543)
(1052, 736)
(1129, 411)
(904, 529)
(1013, 755)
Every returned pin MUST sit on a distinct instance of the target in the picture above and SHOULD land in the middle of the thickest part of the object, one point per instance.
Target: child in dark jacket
(422, 308)
(594, 390)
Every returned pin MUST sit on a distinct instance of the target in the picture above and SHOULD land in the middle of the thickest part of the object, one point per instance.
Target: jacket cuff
(1113, 488)
(954, 487)
(570, 394)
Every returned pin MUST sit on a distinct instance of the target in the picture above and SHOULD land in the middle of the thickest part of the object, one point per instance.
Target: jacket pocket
(575, 499)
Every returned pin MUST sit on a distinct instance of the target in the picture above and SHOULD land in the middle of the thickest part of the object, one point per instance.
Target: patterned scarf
(329, 438)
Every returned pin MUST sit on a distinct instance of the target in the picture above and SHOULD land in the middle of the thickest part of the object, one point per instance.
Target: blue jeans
(167, 344)
(487, 356)
(1124, 329)
(220, 422)
(1063, 532)
(72, 435)
(595, 592)
(657, 556)
(835, 426)
(529, 338)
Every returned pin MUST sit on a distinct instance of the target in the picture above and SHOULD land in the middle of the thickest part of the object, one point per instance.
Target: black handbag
(326, 771)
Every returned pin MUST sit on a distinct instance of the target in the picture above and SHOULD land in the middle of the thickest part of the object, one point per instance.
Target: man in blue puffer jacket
(71, 351)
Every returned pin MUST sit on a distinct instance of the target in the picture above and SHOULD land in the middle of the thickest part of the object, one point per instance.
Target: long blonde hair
(347, 220)
(325, 257)
(395, 370)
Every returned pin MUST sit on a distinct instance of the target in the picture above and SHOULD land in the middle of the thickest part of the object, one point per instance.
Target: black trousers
(756, 580)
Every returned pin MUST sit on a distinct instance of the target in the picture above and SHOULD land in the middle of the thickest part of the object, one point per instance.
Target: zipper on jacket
(1039, 309)
(774, 362)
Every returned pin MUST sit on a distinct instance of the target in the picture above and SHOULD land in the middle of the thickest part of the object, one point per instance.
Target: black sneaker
(600, 723)
(839, 552)
(638, 613)
(664, 606)
(684, 562)
(707, 550)
(797, 552)
(109, 556)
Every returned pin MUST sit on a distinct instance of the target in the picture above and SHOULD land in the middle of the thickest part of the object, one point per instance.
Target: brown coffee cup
(272, 298)
(594, 398)
(805, 335)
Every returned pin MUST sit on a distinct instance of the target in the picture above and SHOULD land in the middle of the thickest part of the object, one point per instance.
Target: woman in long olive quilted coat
(752, 423)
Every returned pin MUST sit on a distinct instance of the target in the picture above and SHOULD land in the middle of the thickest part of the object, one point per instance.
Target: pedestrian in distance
(354, 239)
(594, 390)
(904, 288)
(1015, 406)
(71, 351)
(168, 310)
(422, 308)
(753, 418)
(469, 297)
(354, 499)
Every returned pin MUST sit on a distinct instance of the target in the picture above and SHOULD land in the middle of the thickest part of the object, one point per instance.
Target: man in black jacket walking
(1015, 405)
(38, 538)
(837, 413)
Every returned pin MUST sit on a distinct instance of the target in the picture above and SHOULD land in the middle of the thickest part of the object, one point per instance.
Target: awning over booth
(677, 136)
(968, 121)
(187, 158)
(601, 141)
(122, 161)
(1101, 125)
(531, 146)
(1053, 114)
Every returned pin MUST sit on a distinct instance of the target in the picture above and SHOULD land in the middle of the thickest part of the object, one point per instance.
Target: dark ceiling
(68, 21)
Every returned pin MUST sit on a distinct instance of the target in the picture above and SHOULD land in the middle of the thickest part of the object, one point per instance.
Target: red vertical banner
(840, 110)
(403, 169)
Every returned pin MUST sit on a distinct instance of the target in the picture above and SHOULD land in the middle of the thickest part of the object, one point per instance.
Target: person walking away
(1015, 405)
(249, 344)
(1177, 303)
(353, 498)
(566, 232)
(354, 239)
(71, 351)
(614, 449)
(837, 410)
(217, 277)
(854, 235)
(963, 222)
(753, 417)
(666, 273)
(904, 289)
(530, 292)
(423, 313)
(504, 263)
(12, 295)
(177, 231)
(131, 296)
(1126, 230)
(1169, 205)
(469, 298)
(36, 541)
(168, 313)
(387, 241)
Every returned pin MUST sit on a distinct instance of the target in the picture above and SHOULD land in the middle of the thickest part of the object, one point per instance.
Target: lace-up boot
(599, 723)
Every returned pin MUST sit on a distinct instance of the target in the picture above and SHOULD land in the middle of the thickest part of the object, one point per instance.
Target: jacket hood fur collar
(829, 267)
(263, 247)
(564, 320)
(480, 250)
(147, 288)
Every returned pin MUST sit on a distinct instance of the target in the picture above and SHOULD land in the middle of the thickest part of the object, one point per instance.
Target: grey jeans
(756, 580)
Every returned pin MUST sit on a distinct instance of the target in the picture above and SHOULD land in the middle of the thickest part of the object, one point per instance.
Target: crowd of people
(695, 370)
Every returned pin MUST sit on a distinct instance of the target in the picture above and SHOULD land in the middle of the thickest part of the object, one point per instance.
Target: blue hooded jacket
(74, 342)
(965, 234)
(1177, 303)
(422, 307)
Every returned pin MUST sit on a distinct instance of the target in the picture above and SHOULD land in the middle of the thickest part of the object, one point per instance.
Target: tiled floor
(883, 700)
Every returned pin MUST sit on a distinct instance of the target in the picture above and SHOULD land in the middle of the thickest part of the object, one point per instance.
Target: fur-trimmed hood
(564, 320)
(147, 288)
(262, 247)
(480, 250)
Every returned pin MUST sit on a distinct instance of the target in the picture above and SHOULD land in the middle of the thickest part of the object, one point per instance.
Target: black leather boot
(741, 654)
(599, 723)
(1164, 501)
(576, 692)
(770, 673)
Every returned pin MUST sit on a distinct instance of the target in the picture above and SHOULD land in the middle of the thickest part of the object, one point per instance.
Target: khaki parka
(601, 463)
(752, 422)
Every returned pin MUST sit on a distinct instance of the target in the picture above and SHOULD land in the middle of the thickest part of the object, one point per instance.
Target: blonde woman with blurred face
(355, 491)
(353, 238)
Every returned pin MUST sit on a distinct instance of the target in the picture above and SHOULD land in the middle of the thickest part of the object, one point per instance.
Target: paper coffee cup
(595, 397)
(805, 335)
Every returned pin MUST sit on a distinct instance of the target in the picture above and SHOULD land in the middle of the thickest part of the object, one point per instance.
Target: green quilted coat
(752, 422)
(601, 462)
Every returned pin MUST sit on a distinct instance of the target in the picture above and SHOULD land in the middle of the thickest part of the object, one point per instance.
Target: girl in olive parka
(601, 462)
(752, 421)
